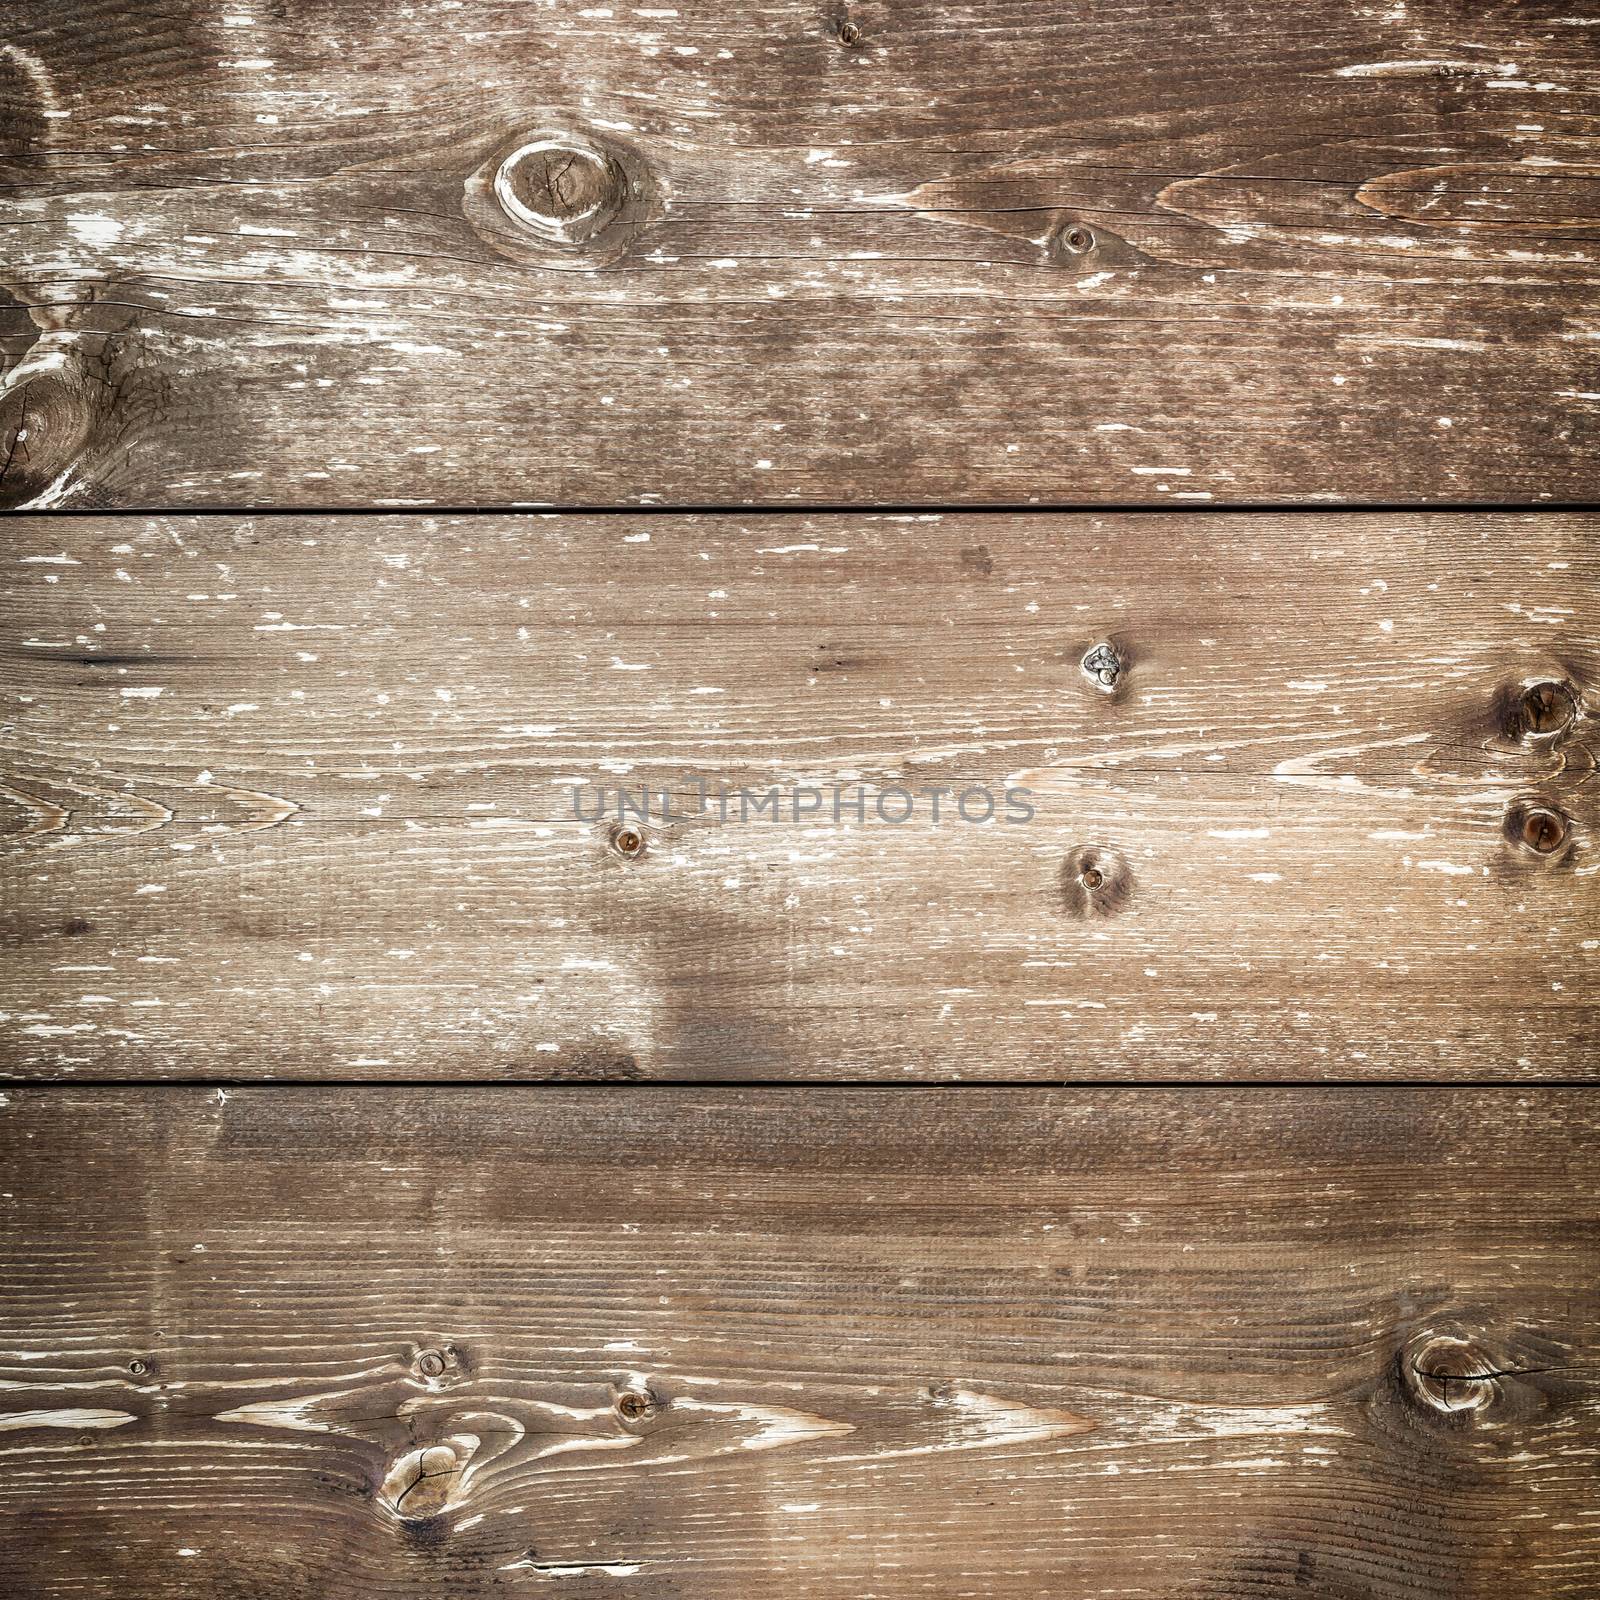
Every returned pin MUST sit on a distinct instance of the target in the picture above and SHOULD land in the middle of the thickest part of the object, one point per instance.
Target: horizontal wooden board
(1175, 1345)
(480, 252)
(299, 796)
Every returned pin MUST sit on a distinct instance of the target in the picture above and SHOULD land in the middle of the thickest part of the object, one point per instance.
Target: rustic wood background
(815, 252)
(672, 1342)
(412, 1185)
(323, 771)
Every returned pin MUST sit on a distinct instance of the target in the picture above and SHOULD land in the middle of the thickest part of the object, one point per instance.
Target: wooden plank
(295, 796)
(655, 1342)
(475, 252)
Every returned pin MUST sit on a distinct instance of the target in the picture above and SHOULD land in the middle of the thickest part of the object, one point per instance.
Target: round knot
(422, 1483)
(1095, 882)
(436, 1362)
(1537, 827)
(627, 841)
(636, 1404)
(1076, 239)
(561, 188)
(559, 197)
(1450, 1374)
(1543, 709)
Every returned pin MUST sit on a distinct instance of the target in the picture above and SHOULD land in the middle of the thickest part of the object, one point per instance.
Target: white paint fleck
(94, 228)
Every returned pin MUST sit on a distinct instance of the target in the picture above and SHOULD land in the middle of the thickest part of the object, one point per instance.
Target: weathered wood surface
(1171, 1345)
(295, 796)
(497, 253)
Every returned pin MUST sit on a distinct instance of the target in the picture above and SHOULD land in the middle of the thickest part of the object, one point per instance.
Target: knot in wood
(1102, 666)
(1096, 881)
(628, 842)
(559, 197)
(1543, 709)
(1450, 1374)
(850, 33)
(1076, 239)
(46, 422)
(636, 1405)
(422, 1483)
(1537, 827)
(561, 188)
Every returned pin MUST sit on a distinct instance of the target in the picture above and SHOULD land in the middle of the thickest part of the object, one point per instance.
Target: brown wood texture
(489, 253)
(294, 796)
(1167, 1345)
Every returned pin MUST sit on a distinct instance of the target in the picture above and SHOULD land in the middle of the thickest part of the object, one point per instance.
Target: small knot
(436, 1362)
(1102, 666)
(627, 841)
(1541, 710)
(849, 33)
(636, 1404)
(1449, 1373)
(1536, 826)
(1095, 882)
(1076, 239)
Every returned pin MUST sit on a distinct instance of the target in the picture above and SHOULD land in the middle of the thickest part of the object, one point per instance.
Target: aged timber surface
(1170, 1345)
(494, 253)
(295, 796)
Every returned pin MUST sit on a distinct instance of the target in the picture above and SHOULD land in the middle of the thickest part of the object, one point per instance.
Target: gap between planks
(868, 508)
(1087, 1086)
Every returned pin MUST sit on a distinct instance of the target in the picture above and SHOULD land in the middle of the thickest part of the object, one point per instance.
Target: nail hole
(849, 33)
(1091, 877)
(139, 1369)
(627, 842)
(431, 1364)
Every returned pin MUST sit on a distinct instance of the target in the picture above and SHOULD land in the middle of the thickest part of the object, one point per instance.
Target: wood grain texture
(295, 796)
(1170, 1345)
(470, 252)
